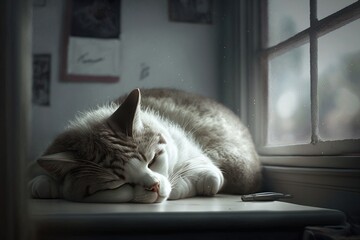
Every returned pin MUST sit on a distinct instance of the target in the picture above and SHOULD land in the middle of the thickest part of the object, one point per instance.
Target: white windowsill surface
(219, 213)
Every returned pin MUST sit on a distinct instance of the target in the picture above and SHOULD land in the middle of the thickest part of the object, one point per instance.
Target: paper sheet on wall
(96, 57)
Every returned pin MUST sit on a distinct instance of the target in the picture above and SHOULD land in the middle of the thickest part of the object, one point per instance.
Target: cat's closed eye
(153, 160)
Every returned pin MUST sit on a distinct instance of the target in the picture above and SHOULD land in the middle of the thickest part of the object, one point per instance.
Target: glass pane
(286, 18)
(339, 83)
(327, 7)
(289, 98)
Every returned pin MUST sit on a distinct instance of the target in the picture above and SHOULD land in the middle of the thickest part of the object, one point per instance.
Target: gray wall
(180, 55)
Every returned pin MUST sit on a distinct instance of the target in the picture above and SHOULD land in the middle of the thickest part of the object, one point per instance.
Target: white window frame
(252, 78)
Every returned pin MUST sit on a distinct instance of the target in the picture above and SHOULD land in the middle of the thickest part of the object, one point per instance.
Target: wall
(180, 55)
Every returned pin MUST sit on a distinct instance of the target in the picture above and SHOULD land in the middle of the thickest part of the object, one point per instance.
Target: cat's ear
(126, 117)
(58, 164)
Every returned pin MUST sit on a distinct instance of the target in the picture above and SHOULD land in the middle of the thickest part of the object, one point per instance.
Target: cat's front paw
(175, 194)
(43, 187)
(182, 188)
(209, 183)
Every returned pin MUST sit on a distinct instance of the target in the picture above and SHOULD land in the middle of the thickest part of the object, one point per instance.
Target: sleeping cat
(153, 145)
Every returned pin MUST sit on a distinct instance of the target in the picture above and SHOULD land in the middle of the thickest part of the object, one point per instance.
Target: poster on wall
(192, 11)
(41, 79)
(92, 41)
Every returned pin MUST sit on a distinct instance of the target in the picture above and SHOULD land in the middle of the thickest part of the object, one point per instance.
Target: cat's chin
(144, 196)
(160, 199)
(155, 198)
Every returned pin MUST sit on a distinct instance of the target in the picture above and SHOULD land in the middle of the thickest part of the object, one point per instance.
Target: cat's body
(162, 144)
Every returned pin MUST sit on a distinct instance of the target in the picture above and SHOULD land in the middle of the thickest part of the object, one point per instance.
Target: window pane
(339, 83)
(327, 7)
(289, 98)
(286, 18)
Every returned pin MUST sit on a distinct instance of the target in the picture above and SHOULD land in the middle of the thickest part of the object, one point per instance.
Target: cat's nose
(154, 188)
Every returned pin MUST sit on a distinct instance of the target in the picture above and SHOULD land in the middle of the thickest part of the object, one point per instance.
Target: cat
(153, 145)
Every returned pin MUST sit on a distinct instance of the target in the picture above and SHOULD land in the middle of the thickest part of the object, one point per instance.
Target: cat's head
(108, 148)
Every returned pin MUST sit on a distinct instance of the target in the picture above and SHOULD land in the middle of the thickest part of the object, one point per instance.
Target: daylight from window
(284, 24)
(289, 97)
(339, 83)
(289, 81)
(327, 7)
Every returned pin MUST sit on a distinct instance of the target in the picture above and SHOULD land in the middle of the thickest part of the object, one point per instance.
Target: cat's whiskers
(187, 171)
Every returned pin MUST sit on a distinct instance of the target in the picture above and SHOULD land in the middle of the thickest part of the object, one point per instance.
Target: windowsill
(219, 213)
(329, 162)
(326, 181)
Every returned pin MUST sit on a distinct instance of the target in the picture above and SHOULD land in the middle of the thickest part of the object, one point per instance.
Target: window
(310, 73)
(279, 88)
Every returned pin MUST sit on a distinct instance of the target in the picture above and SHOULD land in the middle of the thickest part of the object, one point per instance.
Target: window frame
(311, 177)
(252, 77)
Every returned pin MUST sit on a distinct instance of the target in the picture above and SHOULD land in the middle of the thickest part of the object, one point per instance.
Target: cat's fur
(158, 144)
